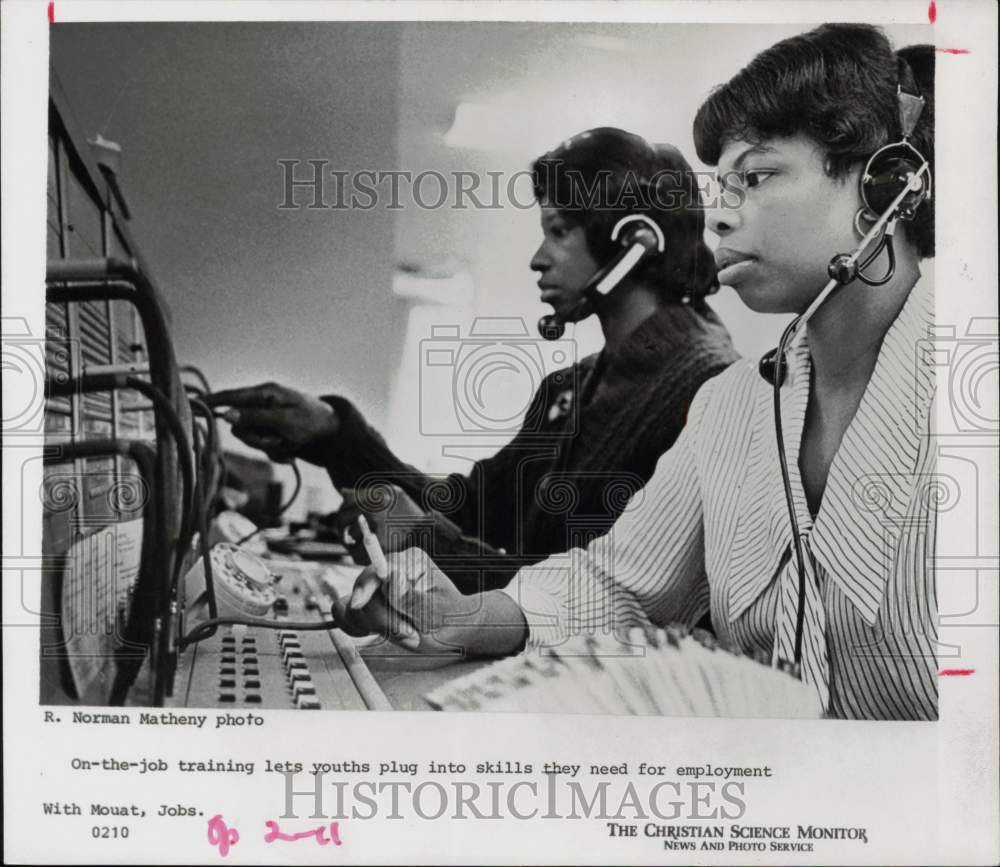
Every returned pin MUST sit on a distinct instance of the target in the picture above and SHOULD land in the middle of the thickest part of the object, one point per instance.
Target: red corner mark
(954, 51)
(956, 672)
(932, 12)
(52, 12)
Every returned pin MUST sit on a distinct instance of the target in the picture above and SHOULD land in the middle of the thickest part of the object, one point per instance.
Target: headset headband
(911, 102)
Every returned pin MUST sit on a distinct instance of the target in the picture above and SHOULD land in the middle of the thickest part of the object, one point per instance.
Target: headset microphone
(639, 238)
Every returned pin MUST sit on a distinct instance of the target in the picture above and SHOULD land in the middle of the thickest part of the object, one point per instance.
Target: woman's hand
(277, 420)
(391, 513)
(418, 607)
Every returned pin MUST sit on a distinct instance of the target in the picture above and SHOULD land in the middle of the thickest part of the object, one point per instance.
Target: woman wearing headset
(593, 432)
(850, 605)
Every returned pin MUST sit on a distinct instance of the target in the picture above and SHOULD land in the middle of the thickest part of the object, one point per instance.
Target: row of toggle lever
(300, 681)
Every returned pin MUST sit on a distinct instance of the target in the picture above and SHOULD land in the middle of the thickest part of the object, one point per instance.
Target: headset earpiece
(638, 228)
(892, 167)
(888, 171)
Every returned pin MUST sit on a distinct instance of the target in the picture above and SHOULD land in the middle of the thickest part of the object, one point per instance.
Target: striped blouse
(710, 532)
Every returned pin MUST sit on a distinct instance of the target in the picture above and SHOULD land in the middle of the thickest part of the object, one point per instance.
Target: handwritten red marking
(52, 12)
(954, 51)
(219, 834)
(274, 833)
(932, 12)
(956, 672)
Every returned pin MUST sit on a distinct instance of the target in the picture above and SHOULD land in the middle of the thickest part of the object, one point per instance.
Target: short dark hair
(837, 85)
(604, 174)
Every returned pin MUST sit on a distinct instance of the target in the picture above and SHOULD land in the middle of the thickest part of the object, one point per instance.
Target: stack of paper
(667, 672)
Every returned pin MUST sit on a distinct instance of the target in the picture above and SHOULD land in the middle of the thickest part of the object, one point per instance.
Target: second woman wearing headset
(594, 431)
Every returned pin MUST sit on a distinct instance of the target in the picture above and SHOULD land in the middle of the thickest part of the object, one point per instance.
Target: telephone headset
(896, 181)
(639, 238)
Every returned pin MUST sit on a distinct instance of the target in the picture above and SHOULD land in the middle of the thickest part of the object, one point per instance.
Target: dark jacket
(591, 438)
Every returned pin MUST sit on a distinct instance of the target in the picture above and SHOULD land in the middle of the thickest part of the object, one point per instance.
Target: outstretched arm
(332, 433)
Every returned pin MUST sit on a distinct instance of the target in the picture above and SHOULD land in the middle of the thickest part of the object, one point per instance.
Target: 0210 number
(109, 832)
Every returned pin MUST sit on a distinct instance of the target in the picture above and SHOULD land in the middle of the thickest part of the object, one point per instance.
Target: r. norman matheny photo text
(162, 718)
